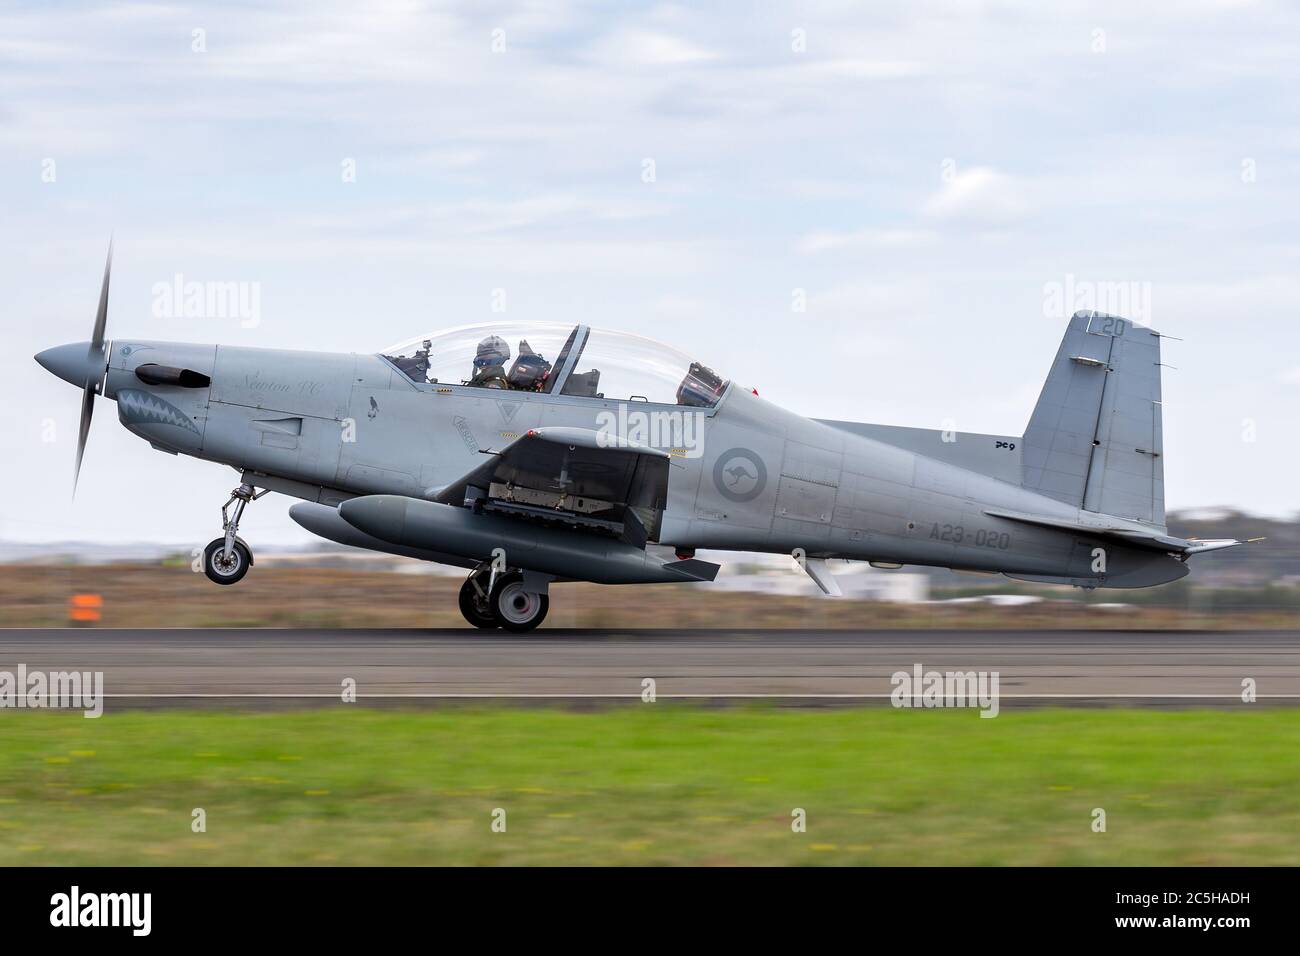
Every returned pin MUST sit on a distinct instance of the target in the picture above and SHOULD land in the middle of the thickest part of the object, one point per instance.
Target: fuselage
(749, 476)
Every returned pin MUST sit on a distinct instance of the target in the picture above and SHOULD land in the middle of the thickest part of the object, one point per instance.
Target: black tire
(221, 573)
(514, 608)
(475, 609)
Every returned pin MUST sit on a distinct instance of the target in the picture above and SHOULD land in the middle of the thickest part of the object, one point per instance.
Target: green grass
(651, 784)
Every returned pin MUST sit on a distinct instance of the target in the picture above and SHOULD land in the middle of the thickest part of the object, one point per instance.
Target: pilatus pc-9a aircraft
(566, 453)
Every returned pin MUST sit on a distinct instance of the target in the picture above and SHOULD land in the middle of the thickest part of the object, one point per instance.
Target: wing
(571, 476)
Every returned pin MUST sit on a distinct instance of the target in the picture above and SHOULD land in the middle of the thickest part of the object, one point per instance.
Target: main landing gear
(490, 598)
(227, 559)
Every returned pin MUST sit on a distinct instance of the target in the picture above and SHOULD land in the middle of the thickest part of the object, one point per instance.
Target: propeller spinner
(84, 364)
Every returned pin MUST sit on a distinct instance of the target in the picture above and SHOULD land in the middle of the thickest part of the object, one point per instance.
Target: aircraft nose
(73, 363)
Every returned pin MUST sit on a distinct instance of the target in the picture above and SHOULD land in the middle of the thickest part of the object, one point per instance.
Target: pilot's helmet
(493, 350)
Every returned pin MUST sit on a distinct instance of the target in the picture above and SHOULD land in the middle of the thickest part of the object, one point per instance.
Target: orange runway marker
(85, 608)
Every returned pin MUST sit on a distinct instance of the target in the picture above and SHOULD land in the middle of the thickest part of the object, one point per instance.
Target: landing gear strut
(227, 559)
(490, 599)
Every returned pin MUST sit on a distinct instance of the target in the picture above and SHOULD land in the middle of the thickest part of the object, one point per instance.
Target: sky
(878, 212)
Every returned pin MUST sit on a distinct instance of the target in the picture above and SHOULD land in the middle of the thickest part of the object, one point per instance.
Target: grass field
(651, 784)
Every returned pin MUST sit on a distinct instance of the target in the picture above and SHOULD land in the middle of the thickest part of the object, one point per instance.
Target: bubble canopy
(555, 359)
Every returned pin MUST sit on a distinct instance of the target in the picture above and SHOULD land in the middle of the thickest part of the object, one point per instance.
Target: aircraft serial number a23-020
(531, 455)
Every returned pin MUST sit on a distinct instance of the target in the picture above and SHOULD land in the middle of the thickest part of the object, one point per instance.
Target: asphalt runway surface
(183, 667)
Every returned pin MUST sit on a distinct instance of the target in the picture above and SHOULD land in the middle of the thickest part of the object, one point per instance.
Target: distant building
(777, 574)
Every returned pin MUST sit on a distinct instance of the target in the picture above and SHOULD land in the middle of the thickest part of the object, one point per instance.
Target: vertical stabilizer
(1094, 438)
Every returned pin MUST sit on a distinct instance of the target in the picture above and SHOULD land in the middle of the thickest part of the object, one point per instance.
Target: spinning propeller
(84, 364)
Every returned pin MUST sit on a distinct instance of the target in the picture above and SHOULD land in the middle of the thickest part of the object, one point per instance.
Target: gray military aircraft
(545, 453)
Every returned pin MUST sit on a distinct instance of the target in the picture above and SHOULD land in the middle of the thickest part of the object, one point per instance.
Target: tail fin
(1094, 439)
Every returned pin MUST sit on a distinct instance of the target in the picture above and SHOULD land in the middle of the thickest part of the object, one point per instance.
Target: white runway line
(658, 696)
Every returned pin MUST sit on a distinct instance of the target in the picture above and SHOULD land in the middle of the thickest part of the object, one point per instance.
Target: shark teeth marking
(135, 407)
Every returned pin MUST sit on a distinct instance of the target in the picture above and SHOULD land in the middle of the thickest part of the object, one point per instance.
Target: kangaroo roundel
(740, 475)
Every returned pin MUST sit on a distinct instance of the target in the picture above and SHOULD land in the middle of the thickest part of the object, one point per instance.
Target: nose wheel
(226, 567)
(227, 559)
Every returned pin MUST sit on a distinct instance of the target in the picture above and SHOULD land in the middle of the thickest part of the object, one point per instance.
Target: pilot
(490, 363)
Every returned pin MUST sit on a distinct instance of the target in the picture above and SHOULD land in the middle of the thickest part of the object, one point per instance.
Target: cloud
(864, 69)
(979, 196)
(647, 48)
(818, 242)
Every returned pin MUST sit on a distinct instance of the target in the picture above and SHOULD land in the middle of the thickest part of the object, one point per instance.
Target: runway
(181, 667)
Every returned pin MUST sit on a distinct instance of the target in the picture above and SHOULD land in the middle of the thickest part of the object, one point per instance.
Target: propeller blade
(93, 371)
(101, 316)
(87, 410)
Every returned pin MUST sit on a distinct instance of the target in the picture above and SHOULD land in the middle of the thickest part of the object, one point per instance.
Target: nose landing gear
(227, 559)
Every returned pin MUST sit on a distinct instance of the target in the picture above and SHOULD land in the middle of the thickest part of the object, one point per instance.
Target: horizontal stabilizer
(1198, 546)
(1118, 529)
